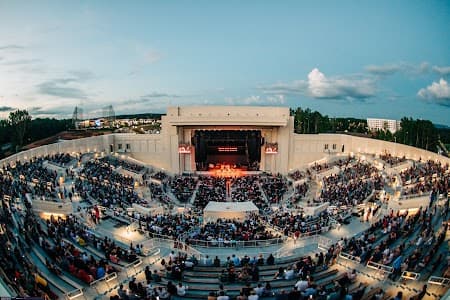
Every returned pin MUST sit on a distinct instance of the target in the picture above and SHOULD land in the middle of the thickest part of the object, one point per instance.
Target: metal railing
(181, 246)
(74, 294)
(410, 275)
(442, 281)
(237, 244)
(350, 257)
(380, 267)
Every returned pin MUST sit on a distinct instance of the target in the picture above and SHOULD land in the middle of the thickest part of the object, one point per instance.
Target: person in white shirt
(289, 274)
(301, 285)
(253, 296)
(259, 290)
(181, 289)
(172, 256)
(222, 296)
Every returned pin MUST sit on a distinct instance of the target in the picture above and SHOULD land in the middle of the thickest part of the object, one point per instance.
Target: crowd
(318, 168)
(44, 182)
(228, 232)
(426, 177)
(173, 226)
(182, 187)
(97, 180)
(133, 167)
(351, 186)
(18, 271)
(274, 186)
(300, 191)
(299, 175)
(298, 224)
(61, 159)
(210, 189)
(405, 242)
(392, 160)
(247, 188)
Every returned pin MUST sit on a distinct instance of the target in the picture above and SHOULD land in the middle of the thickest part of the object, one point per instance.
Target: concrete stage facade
(276, 125)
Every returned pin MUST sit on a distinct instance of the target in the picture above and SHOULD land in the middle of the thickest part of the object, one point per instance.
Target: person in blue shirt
(100, 272)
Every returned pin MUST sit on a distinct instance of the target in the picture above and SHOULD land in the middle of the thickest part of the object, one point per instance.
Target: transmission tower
(77, 117)
(109, 115)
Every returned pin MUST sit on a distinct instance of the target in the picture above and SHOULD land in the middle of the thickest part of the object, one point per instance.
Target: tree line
(418, 133)
(20, 129)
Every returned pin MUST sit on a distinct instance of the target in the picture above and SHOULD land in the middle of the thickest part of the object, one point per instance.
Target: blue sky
(343, 58)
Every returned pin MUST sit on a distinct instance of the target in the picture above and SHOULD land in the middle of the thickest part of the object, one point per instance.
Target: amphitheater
(226, 202)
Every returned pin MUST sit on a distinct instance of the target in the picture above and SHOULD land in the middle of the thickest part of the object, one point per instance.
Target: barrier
(348, 256)
(107, 278)
(131, 269)
(74, 294)
(99, 287)
(237, 244)
(410, 275)
(442, 281)
(380, 268)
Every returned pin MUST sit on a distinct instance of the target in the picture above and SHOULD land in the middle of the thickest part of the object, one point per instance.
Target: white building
(383, 124)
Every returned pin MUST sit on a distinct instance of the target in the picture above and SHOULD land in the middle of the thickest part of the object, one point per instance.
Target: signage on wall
(184, 149)
(271, 148)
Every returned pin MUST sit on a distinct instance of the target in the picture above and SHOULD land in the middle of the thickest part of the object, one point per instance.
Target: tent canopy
(228, 210)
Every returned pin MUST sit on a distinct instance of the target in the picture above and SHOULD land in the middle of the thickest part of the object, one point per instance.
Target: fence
(381, 269)
(410, 275)
(442, 281)
(104, 283)
(237, 244)
(74, 294)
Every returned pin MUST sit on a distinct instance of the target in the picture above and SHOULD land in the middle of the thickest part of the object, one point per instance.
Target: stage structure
(250, 138)
(233, 137)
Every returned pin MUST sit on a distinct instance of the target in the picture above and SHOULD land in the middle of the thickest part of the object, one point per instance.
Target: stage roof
(228, 115)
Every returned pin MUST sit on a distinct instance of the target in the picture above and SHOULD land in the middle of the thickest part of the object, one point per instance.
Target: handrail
(134, 264)
(74, 294)
(238, 244)
(348, 256)
(410, 275)
(439, 280)
(107, 278)
(380, 267)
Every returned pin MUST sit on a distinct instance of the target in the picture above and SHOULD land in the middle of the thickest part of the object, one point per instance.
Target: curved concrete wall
(156, 149)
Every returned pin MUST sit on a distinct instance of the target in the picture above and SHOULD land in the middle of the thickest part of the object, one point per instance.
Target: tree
(19, 121)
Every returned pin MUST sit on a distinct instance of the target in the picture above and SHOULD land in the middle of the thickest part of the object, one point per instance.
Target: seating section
(50, 257)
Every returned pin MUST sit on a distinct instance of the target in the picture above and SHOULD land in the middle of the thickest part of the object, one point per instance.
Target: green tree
(19, 121)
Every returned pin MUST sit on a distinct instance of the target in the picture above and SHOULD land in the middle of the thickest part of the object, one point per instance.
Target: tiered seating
(61, 159)
(274, 186)
(246, 188)
(210, 189)
(392, 160)
(298, 224)
(182, 187)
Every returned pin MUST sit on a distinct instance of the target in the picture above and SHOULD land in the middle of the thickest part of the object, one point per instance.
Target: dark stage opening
(237, 148)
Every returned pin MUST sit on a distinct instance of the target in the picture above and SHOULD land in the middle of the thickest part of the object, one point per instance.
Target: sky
(382, 59)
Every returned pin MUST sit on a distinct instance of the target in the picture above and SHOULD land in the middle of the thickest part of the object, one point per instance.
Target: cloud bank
(319, 86)
(438, 92)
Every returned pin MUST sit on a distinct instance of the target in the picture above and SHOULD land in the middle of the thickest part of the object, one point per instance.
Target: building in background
(383, 124)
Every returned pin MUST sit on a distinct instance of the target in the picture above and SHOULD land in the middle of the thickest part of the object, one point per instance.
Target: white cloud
(401, 67)
(438, 92)
(320, 86)
(383, 69)
(443, 71)
(257, 100)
